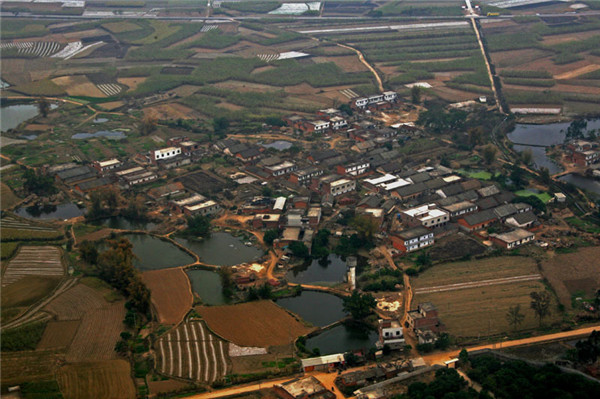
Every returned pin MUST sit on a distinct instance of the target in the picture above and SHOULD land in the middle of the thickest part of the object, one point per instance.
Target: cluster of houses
(583, 153)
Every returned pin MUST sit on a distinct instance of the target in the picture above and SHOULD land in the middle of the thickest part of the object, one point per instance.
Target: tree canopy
(359, 305)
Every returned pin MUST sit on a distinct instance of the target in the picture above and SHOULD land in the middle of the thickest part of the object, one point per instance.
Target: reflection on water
(318, 308)
(62, 211)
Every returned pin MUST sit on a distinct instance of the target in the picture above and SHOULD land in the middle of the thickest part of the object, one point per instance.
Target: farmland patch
(171, 294)
(19, 367)
(34, 261)
(261, 323)
(192, 352)
(78, 85)
(75, 303)
(97, 380)
(58, 335)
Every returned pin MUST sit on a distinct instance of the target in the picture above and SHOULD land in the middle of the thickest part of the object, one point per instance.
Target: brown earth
(34, 127)
(185, 90)
(58, 335)
(171, 111)
(245, 87)
(24, 366)
(577, 72)
(260, 323)
(99, 332)
(349, 63)
(513, 58)
(111, 105)
(171, 293)
(165, 386)
(76, 302)
(96, 235)
(569, 273)
(78, 85)
(7, 197)
(132, 82)
(567, 37)
(97, 380)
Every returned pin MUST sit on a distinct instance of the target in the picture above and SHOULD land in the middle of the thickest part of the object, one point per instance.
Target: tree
(148, 125)
(517, 175)
(345, 108)
(475, 136)
(527, 156)
(537, 204)
(423, 259)
(576, 129)
(299, 249)
(463, 358)
(514, 316)
(359, 305)
(38, 183)
(589, 350)
(43, 106)
(220, 125)
(540, 303)
(366, 226)
(88, 252)
(198, 226)
(489, 154)
(415, 95)
(270, 236)
(545, 176)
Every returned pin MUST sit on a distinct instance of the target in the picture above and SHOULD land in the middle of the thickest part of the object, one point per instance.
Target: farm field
(97, 335)
(573, 274)
(75, 303)
(96, 380)
(58, 335)
(171, 294)
(192, 352)
(7, 197)
(24, 366)
(475, 312)
(475, 271)
(34, 261)
(14, 229)
(264, 323)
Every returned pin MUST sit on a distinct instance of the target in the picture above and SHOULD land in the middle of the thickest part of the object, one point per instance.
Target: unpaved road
(477, 284)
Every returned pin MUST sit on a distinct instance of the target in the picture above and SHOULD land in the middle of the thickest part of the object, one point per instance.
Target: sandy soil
(78, 85)
(577, 72)
(171, 294)
(132, 82)
(171, 111)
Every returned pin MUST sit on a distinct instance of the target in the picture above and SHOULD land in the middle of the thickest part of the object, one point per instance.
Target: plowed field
(171, 294)
(58, 334)
(96, 380)
(260, 323)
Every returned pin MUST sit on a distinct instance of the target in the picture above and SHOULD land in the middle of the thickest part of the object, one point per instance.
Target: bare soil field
(453, 95)
(58, 335)
(78, 85)
(567, 37)
(132, 82)
(111, 105)
(482, 311)
(349, 63)
(577, 72)
(27, 291)
(514, 58)
(166, 386)
(24, 366)
(170, 292)
(35, 127)
(121, 26)
(476, 270)
(192, 352)
(99, 332)
(97, 380)
(245, 87)
(572, 273)
(7, 197)
(75, 303)
(456, 246)
(34, 261)
(185, 90)
(171, 111)
(260, 323)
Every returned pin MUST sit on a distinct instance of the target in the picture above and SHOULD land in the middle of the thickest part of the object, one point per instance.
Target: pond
(582, 182)
(318, 308)
(342, 339)
(123, 223)
(109, 134)
(154, 253)
(536, 137)
(207, 285)
(328, 271)
(221, 249)
(12, 116)
(62, 211)
(280, 145)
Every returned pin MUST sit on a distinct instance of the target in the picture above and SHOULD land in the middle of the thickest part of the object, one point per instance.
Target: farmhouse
(412, 239)
(428, 215)
(303, 388)
(323, 362)
(478, 221)
(317, 126)
(353, 168)
(390, 334)
(166, 153)
(168, 190)
(460, 208)
(425, 322)
(204, 208)
(106, 166)
(513, 239)
(585, 158)
(195, 199)
(305, 175)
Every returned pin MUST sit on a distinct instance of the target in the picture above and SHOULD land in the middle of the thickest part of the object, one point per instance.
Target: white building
(390, 95)
(428, 215)
(166, 153)
(390, 334)
(342, 186)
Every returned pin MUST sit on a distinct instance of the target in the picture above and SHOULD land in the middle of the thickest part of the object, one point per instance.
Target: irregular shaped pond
(318, 308)
(208, 286)
(221, 249)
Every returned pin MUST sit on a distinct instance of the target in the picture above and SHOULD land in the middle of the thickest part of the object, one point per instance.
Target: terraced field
(38, 49)
(192, 352)
(14, 229)
(97, 380)
(76, 302)
(34, 261)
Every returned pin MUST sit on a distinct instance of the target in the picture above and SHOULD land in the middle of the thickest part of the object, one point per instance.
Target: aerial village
(341, 179)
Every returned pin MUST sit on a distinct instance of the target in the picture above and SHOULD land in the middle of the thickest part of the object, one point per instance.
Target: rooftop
(512, 236)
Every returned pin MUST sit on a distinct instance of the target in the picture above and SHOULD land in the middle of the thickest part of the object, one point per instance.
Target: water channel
(222, 249)
(537, 137)
(62, 211)
(207, 285)
(341, 339)
(153, 253)
(328, 271)
(12, 116)
(318, 308)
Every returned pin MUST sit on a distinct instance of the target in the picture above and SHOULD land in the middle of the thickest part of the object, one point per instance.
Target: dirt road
(362, 59)
(477, 284)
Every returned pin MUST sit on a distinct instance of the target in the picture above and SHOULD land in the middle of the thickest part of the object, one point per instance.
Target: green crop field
(544, 197)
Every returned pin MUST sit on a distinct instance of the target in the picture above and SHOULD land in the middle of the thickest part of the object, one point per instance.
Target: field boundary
(477, 284)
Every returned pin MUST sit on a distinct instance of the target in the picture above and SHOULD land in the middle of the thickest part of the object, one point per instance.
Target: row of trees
(540, 304)
(115, 266)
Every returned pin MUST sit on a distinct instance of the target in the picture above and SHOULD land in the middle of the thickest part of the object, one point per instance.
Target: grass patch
(544, 197)
(399, 8)
(291, 72)
(532, 97)
(23, 338)
(530, 82)
(7, 197)
(41, 390)
(583, 224)
(215, 39)
(8, 249)
(476, 174)
(259, 7)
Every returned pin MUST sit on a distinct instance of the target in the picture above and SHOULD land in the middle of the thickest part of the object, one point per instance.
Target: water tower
(351, 271)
